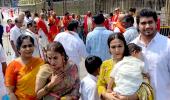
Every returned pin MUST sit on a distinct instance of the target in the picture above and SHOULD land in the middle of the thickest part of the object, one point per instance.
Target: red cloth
(106, 23)
(115, 18)
(85, 25)
(41, 25)
(158, 24)
(66, 21)
(11, 12)
(53, 22)
(9, 27)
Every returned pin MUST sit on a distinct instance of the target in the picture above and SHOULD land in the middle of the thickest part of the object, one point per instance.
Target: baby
(127, 73)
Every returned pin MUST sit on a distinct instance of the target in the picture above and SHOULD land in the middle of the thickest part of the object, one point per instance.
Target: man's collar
(152, 40)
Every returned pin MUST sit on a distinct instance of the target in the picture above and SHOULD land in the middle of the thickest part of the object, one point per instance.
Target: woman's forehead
(116, 41)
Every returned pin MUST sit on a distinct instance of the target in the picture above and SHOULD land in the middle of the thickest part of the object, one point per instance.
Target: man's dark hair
(132, 10)
(129, 19)
(31, 23)
(92, 63)
(146, 13)
(98, 19)
(67, 13)
(72, 25)
(111, 14)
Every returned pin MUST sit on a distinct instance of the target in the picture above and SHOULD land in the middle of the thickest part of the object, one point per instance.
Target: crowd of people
(125, 56)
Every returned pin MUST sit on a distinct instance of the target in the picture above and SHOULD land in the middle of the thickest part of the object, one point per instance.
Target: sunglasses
(29, 46)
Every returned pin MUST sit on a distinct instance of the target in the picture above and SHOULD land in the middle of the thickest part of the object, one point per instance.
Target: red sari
(41, 25)
(86, 26)
(53, 23)
(66, 21)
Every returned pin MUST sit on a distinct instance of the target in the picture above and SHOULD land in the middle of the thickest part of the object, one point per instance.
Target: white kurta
(157, 57)
(88, 88)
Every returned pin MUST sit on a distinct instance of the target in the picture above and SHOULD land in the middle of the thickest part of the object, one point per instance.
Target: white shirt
(27, 19)
(116, 30)
(15, 32)
(36, 52)
(3, 90)
(73, 45)
(88, 88)
(157, 57)
(128, 75)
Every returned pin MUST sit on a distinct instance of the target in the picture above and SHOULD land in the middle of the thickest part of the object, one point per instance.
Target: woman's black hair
(20, 40)
(57, 47)
(120, 37)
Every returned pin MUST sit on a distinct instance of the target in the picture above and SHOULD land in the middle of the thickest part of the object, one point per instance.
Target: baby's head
(135, 50)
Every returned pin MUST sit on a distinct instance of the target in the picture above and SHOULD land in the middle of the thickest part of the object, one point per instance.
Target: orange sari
(23, 77)
(121, 28)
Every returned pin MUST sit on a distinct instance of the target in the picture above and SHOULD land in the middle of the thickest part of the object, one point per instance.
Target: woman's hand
(57, 78)
(129, 97)
(12, 96)
(109, 96)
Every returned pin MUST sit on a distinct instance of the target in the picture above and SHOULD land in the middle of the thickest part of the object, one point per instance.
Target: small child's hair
(8, 20)
(133, 47)
(92, 63)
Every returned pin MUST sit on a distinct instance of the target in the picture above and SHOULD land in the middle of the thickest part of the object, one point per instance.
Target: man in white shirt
(156, 51)
(88, 86)
(15, 32)
(28, 17)
(73, 45)
(3, 66)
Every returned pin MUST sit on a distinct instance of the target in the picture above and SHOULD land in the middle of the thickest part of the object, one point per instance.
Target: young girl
(9, 25)
(58, 78)
(127, 73)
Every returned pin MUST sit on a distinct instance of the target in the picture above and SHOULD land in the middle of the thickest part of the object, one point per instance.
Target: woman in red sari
(53, 24)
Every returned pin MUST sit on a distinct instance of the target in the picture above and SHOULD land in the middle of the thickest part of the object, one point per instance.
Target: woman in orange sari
(21, 72)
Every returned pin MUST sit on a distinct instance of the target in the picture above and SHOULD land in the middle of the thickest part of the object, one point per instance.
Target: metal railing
(165, 30)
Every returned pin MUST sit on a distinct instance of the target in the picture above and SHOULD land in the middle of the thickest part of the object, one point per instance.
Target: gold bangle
(46, 88)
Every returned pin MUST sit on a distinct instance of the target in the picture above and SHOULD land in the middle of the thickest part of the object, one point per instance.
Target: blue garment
(130, 34)
(96, 43)
(5, 97)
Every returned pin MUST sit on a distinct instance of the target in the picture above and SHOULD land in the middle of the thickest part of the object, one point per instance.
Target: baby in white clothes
(128, 73)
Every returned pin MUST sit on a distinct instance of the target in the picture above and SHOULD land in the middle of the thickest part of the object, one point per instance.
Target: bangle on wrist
(46, 88)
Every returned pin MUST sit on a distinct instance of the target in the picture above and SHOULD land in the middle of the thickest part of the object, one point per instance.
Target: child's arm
(110, 85)
(146, 77)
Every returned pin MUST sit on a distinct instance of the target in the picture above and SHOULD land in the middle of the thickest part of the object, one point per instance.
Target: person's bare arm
(14, 48)
(11, 93)
(4, 66)
(110, 85)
